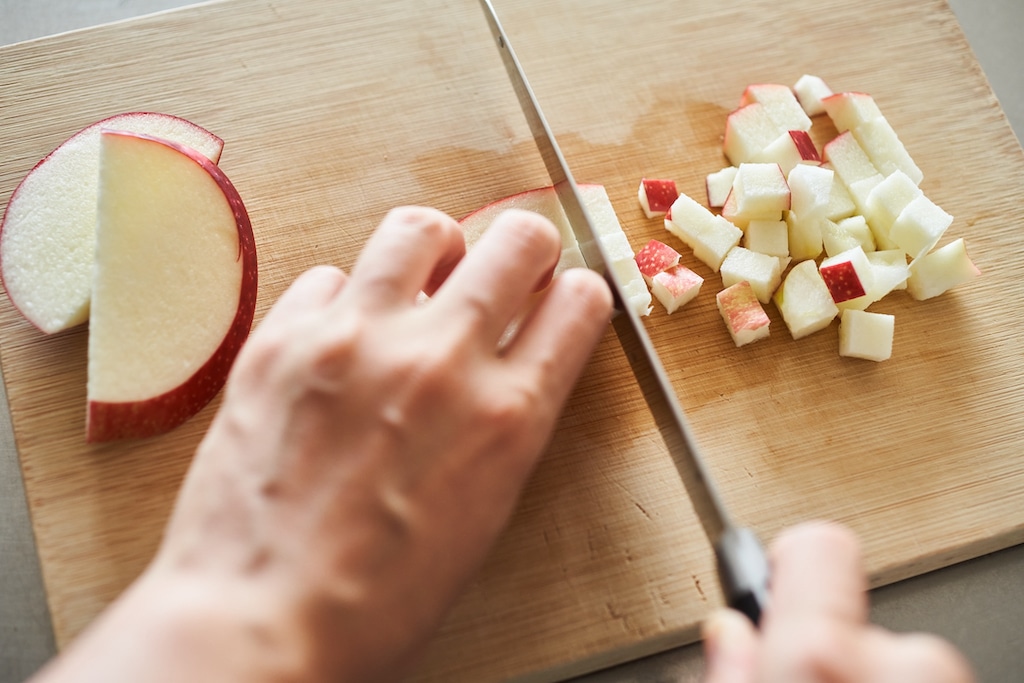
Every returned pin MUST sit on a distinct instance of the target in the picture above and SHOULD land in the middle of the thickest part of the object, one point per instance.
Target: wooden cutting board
(334, 112)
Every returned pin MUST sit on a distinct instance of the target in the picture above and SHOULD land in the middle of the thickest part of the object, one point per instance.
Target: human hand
(815, 628)
(368, 451)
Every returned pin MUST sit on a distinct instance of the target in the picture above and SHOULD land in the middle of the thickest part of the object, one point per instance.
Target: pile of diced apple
(820, 234)
(131, 225)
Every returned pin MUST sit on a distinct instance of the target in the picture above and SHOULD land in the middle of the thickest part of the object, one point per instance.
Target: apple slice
(762, 271)
(811, 188)
(804, 236)
(790, 149)
(748, 130)
(920, 226)
(848, 110)
(760, 191)
(48, 231)
(174, 287)
(767, 237)
(709, 236)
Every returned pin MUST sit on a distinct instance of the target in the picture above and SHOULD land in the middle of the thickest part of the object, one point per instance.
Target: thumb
(730, 648)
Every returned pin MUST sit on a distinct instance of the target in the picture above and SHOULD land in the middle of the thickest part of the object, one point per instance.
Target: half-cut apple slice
(174, 286)
(48, 230)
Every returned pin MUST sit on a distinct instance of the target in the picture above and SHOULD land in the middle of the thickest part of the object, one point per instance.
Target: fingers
(414, 249)
(913, 658)
(730, 648)
(556, 340)
(312, 290)
(817, 573)
(493, 282)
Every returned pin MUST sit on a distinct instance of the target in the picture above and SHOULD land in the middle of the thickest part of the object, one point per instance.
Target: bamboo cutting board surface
(334, 112)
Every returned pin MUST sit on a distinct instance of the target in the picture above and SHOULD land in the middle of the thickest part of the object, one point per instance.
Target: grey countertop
(978, 605)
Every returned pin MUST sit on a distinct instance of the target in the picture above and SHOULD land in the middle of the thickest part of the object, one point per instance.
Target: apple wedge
(48, 229)
(173, 290)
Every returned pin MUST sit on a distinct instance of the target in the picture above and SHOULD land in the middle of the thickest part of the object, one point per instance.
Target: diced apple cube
(919, 226)
(811, 189)
(761, 190)
(849, 278)
(840, 203)
(886, 201)
(709, 236)
(654, 258)
(767, 237)
(748, 130)
(675, 287)
(838, 236)
(804, 301)
(792, 148)
(810, 91)
(850, 109)
(780, 103)
(884, 148)
(763, 272)
(805, 236)
(890, 272)
(940, 271)
(848, 159)
(656, 196)
(866, 335)
(742, 312)
(719, 184)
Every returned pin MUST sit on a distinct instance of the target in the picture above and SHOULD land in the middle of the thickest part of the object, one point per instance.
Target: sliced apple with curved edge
(48, 229)
(174, 287)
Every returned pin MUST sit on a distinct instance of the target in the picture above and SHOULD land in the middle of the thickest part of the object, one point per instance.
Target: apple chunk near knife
(742, 564)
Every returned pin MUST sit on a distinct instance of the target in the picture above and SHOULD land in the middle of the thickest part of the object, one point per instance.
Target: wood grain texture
(334, 112)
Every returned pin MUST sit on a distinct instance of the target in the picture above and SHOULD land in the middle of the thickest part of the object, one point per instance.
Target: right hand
(815, 629)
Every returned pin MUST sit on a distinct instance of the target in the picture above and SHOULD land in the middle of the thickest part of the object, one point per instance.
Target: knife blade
(741, 562)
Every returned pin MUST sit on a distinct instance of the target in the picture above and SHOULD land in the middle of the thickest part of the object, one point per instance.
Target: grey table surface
(978, 605)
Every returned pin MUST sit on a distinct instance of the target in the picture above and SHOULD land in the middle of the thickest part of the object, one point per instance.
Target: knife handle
(743, 571)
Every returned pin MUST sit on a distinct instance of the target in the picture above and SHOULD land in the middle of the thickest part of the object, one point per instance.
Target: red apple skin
(660, 194)
(107, 421)
(805, 145)
(842, 281)
(107, 122)
(656, 257)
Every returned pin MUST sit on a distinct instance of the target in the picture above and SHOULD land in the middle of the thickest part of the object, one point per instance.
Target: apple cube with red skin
(941, 270)
(792, 148)
(174, 290)
(761, 271)
(748, 130)
(675, 287)
(719, 185)
(742, 312)
(849, 278)
(804, 301)
(49, 227)
(656, 196)
(866, 335)
(780, 103)
(654, 258)
(810, 90)
(709, 236)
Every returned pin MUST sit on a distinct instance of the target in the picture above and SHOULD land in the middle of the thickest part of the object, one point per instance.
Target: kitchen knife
(742, 565)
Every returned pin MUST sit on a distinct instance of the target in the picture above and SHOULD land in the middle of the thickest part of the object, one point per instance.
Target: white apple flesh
(174, 286)
(48, 232)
